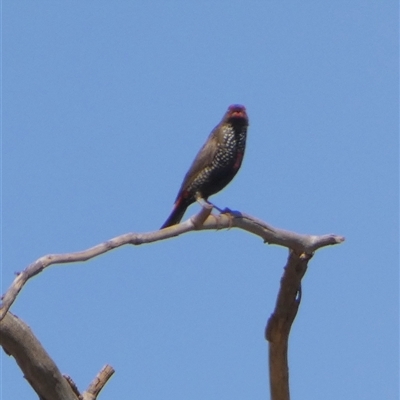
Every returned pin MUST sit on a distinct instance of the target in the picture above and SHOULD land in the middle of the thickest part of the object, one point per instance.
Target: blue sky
(104, 106)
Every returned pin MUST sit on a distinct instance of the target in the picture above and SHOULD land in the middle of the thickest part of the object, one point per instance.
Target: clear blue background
(105, 104)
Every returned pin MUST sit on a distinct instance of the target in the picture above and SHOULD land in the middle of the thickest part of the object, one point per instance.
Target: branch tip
(100, 380)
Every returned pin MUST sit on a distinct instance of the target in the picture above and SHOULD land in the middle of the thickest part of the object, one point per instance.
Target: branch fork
(42, 373)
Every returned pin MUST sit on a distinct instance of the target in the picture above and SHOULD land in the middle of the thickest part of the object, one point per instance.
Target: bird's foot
(228, 212)
(230, 216)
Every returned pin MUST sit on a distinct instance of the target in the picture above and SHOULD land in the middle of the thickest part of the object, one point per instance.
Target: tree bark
(39, 369)
(279, 324)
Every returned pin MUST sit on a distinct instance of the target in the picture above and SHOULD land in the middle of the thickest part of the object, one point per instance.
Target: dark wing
(203, 159)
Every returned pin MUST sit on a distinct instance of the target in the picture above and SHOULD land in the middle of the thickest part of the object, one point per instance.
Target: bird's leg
(205, 212)
(217, 217)
(202, 201)
(205, 203)
(229, 213)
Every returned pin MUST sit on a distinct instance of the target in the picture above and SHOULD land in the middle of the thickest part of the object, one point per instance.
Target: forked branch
(39, 369)
(44, 376)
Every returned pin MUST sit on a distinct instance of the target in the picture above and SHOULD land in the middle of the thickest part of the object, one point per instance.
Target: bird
(216, 163)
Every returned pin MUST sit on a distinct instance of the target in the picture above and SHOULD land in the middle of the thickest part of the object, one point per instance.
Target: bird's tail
(177, 213)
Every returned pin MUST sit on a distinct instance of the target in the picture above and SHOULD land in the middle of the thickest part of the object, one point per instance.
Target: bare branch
(198, 219)
(44, 376)
(39, 369)
(279, 324)
(301, 243)
(73, 386)
(98, 383)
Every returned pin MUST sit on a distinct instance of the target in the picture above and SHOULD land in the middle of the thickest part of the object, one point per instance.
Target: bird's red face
(237, 111)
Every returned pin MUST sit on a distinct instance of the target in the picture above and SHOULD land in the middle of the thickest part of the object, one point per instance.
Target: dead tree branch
(18, 340)
(98, 383)
(39, 369)
(201, 221)
(279, 324)
(42, 373)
